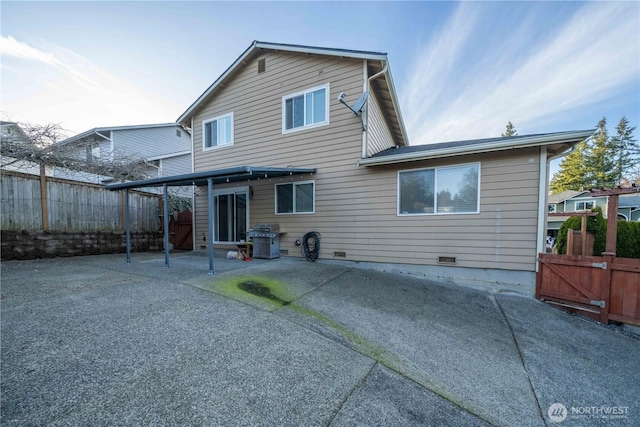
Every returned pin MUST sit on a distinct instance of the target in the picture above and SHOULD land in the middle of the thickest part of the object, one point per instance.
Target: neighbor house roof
(383, 84)
(563, 195)
(99, 132)
(629, 201)
(557, 143)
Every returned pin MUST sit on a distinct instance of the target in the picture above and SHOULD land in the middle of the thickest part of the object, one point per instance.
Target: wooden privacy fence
(29, 203)
(602, 287)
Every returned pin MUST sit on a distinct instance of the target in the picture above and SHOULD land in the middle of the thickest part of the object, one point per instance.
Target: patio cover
(209, 178)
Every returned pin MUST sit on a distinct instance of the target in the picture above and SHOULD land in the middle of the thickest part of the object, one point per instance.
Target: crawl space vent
(340, 254)
(446, 260)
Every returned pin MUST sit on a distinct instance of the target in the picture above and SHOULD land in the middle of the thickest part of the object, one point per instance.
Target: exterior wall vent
(340, 254)
(262, 65)
(284, 251)
(446, 260)
(178, 133)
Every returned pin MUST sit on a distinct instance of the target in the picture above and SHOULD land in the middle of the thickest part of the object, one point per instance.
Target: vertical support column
(127, 230)
(583, 235)
(612, 224)
(166, 226)
(609, 255)
(43, 198)
(210, 216)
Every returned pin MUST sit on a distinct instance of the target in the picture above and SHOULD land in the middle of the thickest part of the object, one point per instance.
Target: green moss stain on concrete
(255, 290)
(360, 343)
(267, 293)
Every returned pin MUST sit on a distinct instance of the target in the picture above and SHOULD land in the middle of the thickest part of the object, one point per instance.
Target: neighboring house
(166, 146)
(467, 210)
(12, 131)
(581, 201)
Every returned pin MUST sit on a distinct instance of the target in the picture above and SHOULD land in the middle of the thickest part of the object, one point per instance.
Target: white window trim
(212, 119)
(275, 190)
(575, 205)
(304, 93)
(435, 186)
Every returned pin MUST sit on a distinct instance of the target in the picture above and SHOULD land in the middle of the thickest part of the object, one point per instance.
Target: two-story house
(327, 122)
(167, 147)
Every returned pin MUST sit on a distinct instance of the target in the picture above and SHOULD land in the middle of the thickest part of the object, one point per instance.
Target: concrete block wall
(50, 244)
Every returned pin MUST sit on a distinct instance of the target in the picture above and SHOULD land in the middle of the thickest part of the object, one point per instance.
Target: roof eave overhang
(564, 138)
(396, 106)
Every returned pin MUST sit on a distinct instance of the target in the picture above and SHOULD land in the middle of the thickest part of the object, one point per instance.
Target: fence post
(605, 293)
(43, 197)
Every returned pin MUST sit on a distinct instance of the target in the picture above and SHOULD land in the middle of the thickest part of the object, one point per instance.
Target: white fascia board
(396, 104)
(322, 51)
(238, 62)
(166, 156)
(533, 141)
(159, 125)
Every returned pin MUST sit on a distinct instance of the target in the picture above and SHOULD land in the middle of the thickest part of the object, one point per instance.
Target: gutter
(499, 145)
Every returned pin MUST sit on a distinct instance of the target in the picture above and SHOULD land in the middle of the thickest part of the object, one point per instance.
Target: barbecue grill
(266, 240)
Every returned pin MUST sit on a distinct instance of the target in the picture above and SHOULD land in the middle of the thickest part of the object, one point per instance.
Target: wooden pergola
(612, 213)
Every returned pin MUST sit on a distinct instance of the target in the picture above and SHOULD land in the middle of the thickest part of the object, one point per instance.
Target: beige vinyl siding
(256, 101)
(356, 207)
(379, 137)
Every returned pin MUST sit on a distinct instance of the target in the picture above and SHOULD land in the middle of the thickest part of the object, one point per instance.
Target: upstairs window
(584, 206)
(444, 190)
(217, 131)
(551, 209)
(305, 109)
(295, 197)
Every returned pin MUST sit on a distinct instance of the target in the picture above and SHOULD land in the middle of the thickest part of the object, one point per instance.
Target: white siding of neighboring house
(153, 141)
(177, 165)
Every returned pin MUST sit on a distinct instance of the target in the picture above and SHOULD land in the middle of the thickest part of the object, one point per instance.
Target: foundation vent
(446, 260)
(340, 254)
(284, 251)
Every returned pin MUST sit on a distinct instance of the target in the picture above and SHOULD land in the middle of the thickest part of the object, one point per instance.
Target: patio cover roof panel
(218, 176)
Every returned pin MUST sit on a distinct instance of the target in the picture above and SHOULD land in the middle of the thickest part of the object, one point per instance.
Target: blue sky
(462, 70)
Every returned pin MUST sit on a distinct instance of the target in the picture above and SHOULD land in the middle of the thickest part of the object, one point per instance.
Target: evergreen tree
(510, 130)
(625, 152)
(572, 172)
(599, 159)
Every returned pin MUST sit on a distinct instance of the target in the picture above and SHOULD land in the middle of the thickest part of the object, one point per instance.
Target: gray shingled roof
(563, 195)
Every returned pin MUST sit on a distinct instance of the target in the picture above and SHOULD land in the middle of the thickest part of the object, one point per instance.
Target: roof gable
(383, 85)
(564, 195)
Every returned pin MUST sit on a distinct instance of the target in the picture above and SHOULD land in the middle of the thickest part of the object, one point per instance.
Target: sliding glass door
(231, 215)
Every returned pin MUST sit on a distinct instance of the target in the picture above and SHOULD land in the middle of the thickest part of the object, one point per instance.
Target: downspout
(542, 204)
(364, 134)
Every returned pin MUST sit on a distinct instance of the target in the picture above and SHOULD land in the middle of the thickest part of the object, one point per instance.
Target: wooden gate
(605, 287)
(181, 230)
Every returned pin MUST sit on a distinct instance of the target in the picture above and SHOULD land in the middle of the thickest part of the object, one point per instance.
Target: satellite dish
(359, 105)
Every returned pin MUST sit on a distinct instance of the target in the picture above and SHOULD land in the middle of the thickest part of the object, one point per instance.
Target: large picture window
(217, 131)
(295, 197)
(305, 109)
(445, 190)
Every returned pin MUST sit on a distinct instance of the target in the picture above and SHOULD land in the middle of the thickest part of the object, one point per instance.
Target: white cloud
(60, 86)
(581, 64)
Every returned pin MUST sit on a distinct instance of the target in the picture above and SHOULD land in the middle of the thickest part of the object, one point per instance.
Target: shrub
(628, 242)
(595, 224)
